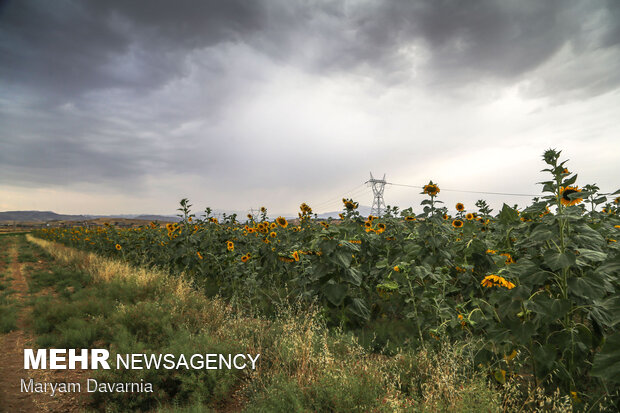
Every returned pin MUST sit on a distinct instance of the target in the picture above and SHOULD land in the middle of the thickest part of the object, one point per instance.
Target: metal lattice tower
(378, 204)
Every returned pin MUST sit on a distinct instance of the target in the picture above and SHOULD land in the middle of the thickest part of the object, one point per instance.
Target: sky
(124, 106)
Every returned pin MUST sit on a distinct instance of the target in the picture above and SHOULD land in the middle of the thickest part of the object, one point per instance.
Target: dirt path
(12, 360)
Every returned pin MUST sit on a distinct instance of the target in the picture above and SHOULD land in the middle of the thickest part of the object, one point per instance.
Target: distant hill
(38, 216)
(167, 218)
(362, 209)
(47, 216)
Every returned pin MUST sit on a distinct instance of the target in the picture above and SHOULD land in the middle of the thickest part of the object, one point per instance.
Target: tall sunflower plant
(563, 312)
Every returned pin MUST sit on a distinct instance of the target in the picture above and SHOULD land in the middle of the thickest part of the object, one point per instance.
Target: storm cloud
(239, 101)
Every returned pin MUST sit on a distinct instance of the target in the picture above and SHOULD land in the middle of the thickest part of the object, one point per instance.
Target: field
(517, 310)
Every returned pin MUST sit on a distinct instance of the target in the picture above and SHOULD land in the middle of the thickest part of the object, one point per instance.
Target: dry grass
(106, 269)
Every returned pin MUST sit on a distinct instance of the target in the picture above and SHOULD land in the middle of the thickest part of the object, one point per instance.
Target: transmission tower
(378, 204)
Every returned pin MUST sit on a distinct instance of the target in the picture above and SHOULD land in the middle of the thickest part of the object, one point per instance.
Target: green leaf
(343, 258)
(607, 311)
(541, 233)
(548, 308)
(586, 287)
(335, 293)
(556, 260)
(359, 308)
(606, 364)
(592, 255)
(508, 215)
(353, 276)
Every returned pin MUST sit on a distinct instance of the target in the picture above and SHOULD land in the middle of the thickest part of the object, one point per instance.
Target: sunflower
(296, 256)
(282, 222)
(460, 207)
(325, 225)
(469, 216)
(199, 254)
(381, 226)
(273, 225)
(486, 282)
(396, 268)
(272, 234)
(565, 171)
(118, 247)
(169, 227)
(250, 216)
(457, 223)
(368, 224)
(263, 209)
(496, 281)
(245, 258)
(349, 204)
(509, 259)
(617, 200)
(565, 199)
(410, 218)
(431, 189)
(371, 218)
(230, 246)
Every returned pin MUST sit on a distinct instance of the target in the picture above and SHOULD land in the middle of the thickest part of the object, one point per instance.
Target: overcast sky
(128, 106)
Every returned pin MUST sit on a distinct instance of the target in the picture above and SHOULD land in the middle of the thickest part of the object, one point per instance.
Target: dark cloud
(117, 90)
(71, 47)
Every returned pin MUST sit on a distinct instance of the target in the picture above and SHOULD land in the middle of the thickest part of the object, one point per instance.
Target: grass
(8, 310)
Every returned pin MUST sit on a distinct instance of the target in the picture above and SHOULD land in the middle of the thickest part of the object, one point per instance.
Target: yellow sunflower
(230, 246)
(245, 258)
(282, 222)
(564, 195)
(272, 234)
(118, 247)
(296, 256)
(460, 207)
(199, 254)
(496, 281)
(469, 216)
(431, 189)
(410, 218)
(457, 223)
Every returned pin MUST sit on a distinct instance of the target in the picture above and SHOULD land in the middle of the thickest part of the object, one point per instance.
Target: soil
(12, 345)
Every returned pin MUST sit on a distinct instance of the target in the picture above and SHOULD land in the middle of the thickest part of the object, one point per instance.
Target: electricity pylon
(378, 204)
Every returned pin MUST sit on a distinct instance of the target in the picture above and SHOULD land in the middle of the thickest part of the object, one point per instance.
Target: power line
(336, 203)
(333, 199)
(462, 190)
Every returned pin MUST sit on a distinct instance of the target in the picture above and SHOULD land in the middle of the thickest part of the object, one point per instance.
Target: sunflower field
(538, 287)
